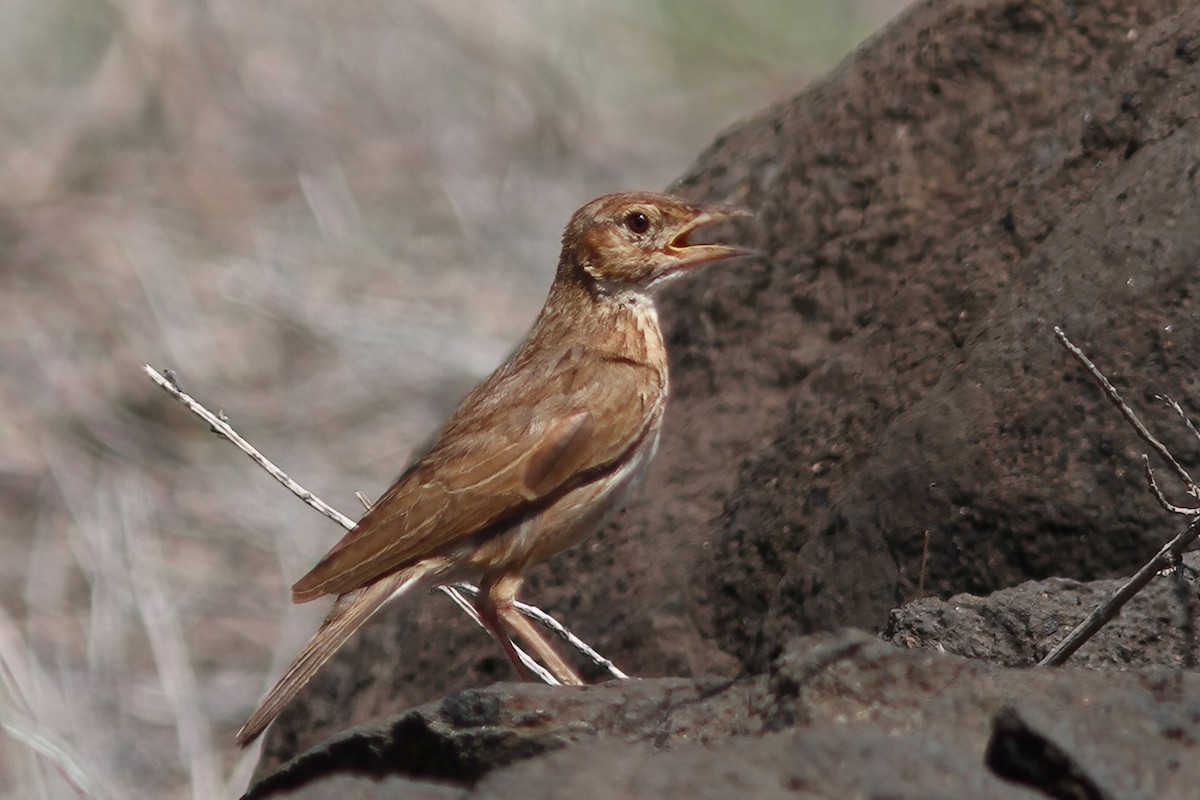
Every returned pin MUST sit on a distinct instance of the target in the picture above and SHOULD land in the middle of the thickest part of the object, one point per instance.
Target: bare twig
(1162, 499)
(1127, 412)
(455, 594)
(225, 429)
(1103, 613)
(1193, 490)
(536, 614)
(221, 426)
(1166, 557)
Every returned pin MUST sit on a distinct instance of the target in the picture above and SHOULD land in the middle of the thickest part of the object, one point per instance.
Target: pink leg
(495, 606)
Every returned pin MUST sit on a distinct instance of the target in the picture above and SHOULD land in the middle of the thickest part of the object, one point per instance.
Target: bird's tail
(349, 612)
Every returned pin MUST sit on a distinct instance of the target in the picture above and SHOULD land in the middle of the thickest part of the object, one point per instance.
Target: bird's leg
(539, 644)
(500, 616)
(490, 617)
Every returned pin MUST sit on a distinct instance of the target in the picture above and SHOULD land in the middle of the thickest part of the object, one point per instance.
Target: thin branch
(1166, 557)
(536, 614)
(1193, 490)
(221, 426)
(1178, 409)
(455, 594)
(1127, 412)
(1104, 612)
(1162, 499)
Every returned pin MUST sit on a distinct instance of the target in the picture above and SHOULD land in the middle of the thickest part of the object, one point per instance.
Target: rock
(1019, 626)
(838, 715)
(1015, 167)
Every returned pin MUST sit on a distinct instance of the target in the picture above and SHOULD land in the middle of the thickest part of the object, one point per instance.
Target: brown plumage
(538, 455)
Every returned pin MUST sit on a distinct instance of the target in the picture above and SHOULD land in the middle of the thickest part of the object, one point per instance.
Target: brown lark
(538, 455)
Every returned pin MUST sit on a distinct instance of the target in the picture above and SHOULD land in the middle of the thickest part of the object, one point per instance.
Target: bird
(540, 454)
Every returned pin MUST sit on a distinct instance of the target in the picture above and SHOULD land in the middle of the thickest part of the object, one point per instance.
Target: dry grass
(319, 215)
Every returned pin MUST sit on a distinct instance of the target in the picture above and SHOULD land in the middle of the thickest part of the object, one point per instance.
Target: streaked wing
(516, 441)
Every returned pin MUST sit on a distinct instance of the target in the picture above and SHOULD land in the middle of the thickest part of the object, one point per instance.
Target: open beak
(693, 255)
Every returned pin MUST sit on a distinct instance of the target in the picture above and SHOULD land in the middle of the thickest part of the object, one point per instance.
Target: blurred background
(330, 220)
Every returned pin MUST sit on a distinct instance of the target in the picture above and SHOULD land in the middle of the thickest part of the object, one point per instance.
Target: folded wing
(491, 463)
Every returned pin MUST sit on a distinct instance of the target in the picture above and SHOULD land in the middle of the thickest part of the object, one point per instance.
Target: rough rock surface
(980, 173)
(838, 715)
(878, 405)
(1019, 626)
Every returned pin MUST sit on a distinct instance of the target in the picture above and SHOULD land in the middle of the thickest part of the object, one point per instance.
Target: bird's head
(637, 240)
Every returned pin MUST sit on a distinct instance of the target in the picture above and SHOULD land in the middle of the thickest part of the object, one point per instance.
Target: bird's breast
(621, 330)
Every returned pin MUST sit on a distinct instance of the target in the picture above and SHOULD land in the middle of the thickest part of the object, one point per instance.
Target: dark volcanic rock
(837, 716)
(886, 376)
(1019, 626)
(976, 175)
(507, 723)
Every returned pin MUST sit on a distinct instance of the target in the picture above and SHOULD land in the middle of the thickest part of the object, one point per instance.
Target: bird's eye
(637, 222)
